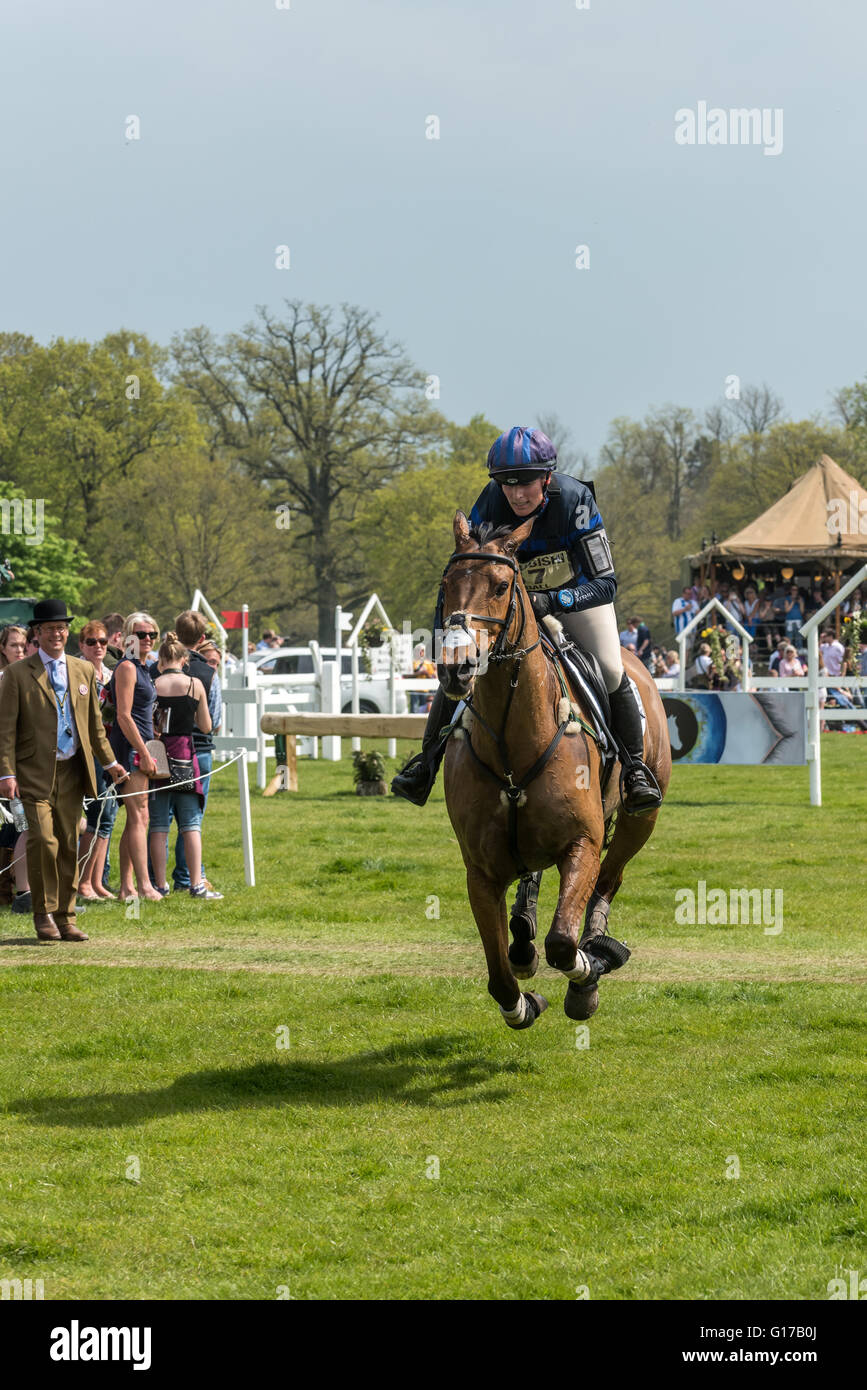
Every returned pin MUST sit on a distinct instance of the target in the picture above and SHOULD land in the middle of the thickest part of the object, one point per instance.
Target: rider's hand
(542, 603)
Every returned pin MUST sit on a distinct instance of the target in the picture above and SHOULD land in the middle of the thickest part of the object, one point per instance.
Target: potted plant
(369, 774)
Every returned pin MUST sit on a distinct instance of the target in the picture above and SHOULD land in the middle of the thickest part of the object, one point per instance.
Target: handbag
(157, 750)
(181, 770)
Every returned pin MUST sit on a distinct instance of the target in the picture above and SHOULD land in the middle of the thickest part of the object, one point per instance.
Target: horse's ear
(517, 537)
(462, 530)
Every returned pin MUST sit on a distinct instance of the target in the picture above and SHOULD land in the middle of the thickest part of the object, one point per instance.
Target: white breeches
(596, 629)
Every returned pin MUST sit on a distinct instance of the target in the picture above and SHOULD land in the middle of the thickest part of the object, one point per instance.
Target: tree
(322, 410)
(75, 418)
(45, 564)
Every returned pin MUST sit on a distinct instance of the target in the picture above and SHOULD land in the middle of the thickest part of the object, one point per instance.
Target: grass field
(157, 1052)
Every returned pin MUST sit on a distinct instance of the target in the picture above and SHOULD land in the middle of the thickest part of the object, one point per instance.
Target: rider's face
(524, 498)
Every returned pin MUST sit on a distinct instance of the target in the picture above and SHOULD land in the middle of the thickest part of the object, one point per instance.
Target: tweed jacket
(28, 725)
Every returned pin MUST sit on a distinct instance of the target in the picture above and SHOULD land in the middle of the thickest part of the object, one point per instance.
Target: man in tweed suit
(50, 732)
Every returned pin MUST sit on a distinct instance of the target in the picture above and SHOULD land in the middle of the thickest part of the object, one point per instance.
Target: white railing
(810, 630)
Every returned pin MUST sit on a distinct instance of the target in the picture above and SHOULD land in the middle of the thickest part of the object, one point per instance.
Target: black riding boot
(416, 778)
(638, 787)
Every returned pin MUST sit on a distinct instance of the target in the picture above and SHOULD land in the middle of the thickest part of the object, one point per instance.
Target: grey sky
(306, 126)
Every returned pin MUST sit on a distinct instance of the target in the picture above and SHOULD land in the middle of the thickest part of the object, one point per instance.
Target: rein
(514, 792)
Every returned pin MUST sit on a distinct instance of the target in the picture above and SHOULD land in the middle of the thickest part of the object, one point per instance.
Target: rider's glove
(542, 603)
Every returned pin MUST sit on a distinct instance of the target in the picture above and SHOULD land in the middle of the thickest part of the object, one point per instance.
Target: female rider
(566, 567)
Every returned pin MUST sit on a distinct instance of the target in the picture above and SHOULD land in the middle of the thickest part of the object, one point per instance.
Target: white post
(356, 707)
(392, 695)
(262, 768)
(681, 646)
(338, 631)
(814, 743)
(245, 639)
(246, 823)
(331, 705)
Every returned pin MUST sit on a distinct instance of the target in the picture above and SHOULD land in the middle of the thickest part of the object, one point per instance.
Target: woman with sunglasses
(101, 815)
(567, 568)
(131, 691)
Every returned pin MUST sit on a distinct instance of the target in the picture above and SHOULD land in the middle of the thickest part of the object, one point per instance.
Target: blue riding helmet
(521, 449)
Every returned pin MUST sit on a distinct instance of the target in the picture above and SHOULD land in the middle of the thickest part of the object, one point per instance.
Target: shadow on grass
(413, 1073)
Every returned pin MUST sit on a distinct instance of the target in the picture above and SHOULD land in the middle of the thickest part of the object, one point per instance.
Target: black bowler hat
(51, 610)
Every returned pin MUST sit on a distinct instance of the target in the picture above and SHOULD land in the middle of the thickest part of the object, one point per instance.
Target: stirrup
(651, 792)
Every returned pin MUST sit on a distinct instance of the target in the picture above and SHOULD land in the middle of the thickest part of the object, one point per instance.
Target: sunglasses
(519, 479)
(95, 641)
(151, 636)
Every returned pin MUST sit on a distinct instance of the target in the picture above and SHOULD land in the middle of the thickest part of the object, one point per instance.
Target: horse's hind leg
(631, 833)
(488, 901)
(523, 955)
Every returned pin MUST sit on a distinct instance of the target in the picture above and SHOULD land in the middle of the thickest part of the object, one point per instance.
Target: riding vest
(567, 551)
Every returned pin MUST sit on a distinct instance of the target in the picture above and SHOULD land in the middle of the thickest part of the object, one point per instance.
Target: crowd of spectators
(159, 698)
(772, 613)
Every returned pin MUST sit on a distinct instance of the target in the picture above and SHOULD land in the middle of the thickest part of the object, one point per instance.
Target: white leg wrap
(581, 970)
(518, 1014)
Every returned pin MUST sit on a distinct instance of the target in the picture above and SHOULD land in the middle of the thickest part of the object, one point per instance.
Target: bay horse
(520, 795)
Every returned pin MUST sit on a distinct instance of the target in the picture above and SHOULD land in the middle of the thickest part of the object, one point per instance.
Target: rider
(566, 567)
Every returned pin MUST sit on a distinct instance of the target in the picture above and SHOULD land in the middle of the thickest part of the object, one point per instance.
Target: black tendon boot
(638, 787)
(416, 778)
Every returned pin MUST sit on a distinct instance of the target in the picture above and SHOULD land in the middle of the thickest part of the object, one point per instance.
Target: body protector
(567, 556)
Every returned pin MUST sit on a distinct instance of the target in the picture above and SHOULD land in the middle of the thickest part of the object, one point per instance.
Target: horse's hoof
(581, 1001)
(523, 970)
(533, 1005)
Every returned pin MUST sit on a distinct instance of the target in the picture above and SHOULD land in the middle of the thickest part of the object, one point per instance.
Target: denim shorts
(108, 807)
(185, 805)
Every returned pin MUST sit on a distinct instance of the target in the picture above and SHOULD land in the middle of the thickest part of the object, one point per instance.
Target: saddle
(584, 676)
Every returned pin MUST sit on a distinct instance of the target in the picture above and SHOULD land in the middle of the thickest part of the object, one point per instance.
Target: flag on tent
(239, 619)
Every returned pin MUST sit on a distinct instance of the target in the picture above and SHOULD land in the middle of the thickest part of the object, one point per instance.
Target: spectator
(704, 667)
(423, 669)
(268, 639)
(101, 815)
(49, 727)
(131, 691)
(629, 635)
(13, 843)
(182, 707)
(113, 624)
(831, 654)
(766, 628)
(750, 618)
(211, 653)
(643, 648)
(777, 656)
(683, 610)
(190, 628)
(13, 645)
(672, 662)
(734, 606)
(789, 665)
(32, 640)
(794, 611)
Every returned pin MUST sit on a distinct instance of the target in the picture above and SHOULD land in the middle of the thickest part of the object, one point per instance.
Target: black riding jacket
(556, 557)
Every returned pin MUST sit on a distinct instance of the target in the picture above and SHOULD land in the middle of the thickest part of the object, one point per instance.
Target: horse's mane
(486, 531)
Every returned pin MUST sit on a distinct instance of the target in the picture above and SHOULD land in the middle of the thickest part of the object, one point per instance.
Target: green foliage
(368, 767)
(45, 564)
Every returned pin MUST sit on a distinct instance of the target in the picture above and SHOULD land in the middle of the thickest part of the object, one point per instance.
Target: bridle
(458, 619)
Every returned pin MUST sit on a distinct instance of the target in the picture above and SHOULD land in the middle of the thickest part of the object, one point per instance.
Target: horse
(520, 795)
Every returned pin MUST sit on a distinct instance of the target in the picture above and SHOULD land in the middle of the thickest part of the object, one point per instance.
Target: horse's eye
(501, 588)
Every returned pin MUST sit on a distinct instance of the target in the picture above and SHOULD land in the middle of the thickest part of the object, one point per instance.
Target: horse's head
(482, 603)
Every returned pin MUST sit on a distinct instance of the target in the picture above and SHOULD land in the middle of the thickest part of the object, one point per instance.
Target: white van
(373, 691)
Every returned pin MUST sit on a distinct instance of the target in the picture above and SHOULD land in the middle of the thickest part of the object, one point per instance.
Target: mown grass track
(559, 1166)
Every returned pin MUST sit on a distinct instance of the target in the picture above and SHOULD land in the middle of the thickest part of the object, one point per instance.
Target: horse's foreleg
(488, 901)
(578, 868)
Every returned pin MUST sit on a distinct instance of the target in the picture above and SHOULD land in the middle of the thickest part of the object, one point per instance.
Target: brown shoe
(46, 927)
(70, 932)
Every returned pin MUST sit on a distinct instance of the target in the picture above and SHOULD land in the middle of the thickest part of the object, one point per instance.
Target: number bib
(554, 571)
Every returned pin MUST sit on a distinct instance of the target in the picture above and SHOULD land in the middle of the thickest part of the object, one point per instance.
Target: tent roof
(800, 525)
